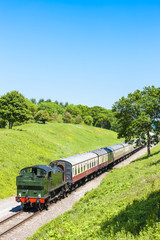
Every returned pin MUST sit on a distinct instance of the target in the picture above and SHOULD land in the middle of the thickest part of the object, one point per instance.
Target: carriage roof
(79, 158)
(115, 147)
(102, 151)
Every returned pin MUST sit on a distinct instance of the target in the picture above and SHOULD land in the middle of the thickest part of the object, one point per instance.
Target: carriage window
(87, 165)
(84, 167)
(79, 169)
(75, 170)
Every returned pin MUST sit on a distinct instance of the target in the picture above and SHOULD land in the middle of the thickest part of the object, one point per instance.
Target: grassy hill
(42, 143)
(125, 206)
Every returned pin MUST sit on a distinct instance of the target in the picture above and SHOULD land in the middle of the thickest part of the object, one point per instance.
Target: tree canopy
(51, 107)
(14, 107)
(138, 115)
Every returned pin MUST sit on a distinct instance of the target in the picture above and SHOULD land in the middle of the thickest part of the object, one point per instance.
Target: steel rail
(16, 225)
(10, 217)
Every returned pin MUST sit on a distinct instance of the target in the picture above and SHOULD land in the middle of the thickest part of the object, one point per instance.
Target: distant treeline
(15, 109)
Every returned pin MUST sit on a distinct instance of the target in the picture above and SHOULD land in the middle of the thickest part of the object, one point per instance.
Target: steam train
(39, 185)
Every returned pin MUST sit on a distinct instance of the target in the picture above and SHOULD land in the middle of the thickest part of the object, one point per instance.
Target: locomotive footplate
(29, 200)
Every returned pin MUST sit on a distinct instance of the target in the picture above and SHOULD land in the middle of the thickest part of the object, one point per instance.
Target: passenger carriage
(78, 167)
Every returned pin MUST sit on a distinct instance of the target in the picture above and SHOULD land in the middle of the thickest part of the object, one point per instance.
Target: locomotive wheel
(39, 206)
(24, 207)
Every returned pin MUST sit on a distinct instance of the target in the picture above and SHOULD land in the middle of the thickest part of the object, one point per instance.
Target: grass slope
(125, 206)
(42, 143)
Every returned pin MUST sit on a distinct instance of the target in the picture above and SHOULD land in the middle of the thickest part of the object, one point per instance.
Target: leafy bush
(88, 120)
(67, 118)
(53, 117)
(78, 119)
(42, 116)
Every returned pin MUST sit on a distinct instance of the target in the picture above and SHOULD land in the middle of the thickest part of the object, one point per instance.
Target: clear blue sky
(89, 52)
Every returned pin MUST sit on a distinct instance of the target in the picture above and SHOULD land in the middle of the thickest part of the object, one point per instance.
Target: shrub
(78, 119)
(67, 118)
(42, 116)
(88, 120)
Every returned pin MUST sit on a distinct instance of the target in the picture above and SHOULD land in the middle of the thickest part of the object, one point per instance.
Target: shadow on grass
(145, 157)
(20, 129)
(155, 163)
(141, 214)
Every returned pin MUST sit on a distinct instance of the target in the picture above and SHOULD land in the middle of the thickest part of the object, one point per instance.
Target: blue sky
(81, 52)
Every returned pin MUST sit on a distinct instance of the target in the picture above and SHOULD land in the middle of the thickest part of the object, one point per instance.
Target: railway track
(12, 222)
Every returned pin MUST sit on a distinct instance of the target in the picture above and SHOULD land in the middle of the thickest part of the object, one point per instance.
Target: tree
(138, 115)
(73, 110)
(48, 100)
(85, 110)
(3, 123)
(95, 113)
(113, 121)
(66, 104)
(41, 100)
(33, 100)
(88, 120)
(78, 119)
(67, 118)
(51, 107)
(14, 107)
(61, 104)
(103, 121)
(42, 116)
(32, 107)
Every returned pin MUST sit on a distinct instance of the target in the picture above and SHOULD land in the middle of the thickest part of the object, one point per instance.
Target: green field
(42, 143)
(125, 206)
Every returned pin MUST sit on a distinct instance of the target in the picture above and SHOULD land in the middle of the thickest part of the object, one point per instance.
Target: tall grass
(42, 143)
(125, 206)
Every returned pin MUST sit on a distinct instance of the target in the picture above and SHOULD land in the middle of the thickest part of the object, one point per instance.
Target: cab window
(49, 175)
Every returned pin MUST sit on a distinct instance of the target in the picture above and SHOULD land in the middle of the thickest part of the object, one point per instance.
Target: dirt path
(8, 206)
